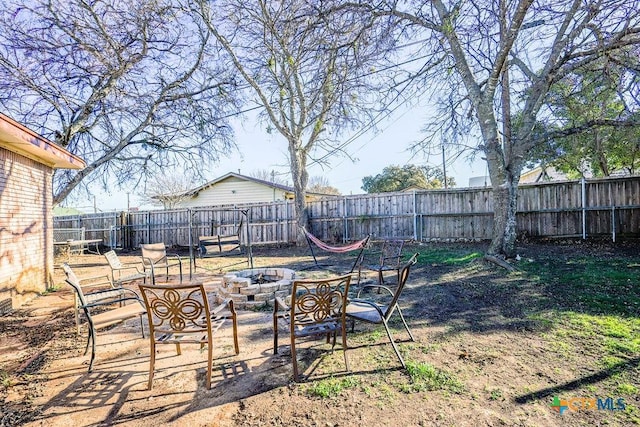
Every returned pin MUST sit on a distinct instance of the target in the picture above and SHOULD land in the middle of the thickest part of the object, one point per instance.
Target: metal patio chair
(124, 273)
(180, 314)
(154, 257)
(104, 308)
(388, 258)
(317, 309)
(380, 313)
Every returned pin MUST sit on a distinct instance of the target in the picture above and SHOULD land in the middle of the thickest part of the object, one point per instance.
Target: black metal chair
(388, 258)
(379, 314)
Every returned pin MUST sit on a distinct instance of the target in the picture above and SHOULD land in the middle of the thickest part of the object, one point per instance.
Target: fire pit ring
(256, 287)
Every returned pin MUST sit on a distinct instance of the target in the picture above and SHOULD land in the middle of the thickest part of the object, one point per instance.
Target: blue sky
(259, 150)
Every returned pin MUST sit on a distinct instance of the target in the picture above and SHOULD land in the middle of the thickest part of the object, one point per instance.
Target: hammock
(359, 245)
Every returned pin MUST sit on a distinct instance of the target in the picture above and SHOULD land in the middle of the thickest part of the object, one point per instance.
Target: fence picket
(544, 210)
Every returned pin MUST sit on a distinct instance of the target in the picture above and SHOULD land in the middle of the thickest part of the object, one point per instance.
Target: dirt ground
(469, 323)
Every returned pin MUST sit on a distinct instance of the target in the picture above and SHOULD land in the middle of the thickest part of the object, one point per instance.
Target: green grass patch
(331, 387)
(51, 289)
(629, 347)
(611, 362)
(496, 394)
(426, 377)
(626, 389)
(614, 337)
(616, 327)
(374, 336)
(447, 256)
(5, 378)
(603, 286)
(632, 413)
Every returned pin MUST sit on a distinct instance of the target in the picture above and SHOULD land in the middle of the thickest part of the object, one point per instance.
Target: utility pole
(444, 168)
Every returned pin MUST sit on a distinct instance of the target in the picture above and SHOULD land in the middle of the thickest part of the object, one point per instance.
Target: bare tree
(167, 190)
(306, 69)
(131, 86)
(491, 57)
(268, 175)
(320, 184)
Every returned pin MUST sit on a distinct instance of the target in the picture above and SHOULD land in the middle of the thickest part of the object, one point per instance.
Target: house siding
(26, 227)
(232, 191)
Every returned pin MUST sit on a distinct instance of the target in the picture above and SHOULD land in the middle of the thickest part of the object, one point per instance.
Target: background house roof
(22, 140)
(282, 187)
(540, 174)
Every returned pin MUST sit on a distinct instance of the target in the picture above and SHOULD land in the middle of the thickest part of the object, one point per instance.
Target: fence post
(584, 209)
(247, 213)
(415, 216)
(190, 221)
(123, 230)
(613, 223)
(148, 227)
(345, 222)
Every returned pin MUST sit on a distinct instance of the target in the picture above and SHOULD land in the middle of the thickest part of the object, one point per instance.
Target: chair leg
(294, 360)
(75, 310)
(344, 347)
(393, 343)
(404, 322)
(275, 334)
(152, 362)
(234, 321)
(86, 347)
(93, 347)
(209, 365)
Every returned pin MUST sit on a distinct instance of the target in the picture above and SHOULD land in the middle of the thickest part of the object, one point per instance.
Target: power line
(374, 121)
(257, 107)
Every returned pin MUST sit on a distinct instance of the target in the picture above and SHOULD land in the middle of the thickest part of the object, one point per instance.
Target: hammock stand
(229, 244)
(355, 246)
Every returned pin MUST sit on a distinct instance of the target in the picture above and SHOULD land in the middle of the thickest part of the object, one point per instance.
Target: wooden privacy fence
(560, 209)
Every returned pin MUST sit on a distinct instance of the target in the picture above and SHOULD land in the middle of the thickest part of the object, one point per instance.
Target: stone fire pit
(256, 287)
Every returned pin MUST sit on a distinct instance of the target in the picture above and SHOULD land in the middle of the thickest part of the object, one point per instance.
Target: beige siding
(234, 191)
(26, 227)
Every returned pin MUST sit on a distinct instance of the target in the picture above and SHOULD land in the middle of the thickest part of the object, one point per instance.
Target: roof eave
(22, 140)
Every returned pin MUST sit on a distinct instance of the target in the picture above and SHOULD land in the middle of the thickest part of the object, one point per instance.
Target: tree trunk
(505, 196)
(300, 178)
(505, 165)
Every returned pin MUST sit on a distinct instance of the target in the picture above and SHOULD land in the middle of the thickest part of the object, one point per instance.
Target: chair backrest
(74, 282)
(318, 301)
(153, 251)
(391, 253)
(113, 260)
(177, 309)
(403, 277)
